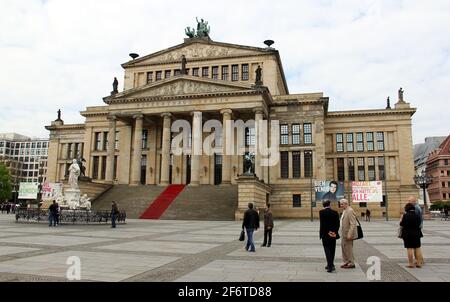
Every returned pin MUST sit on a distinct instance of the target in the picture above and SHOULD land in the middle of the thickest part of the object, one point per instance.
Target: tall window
(205, 72)
(116, 142)
(371, 168)
(381, 168)
(144, 138)
(359, 142)
(115, 167)
(159, 75)
(297, 200)
(296, 164)
(95, 168)
(215, 72)
(308, 164)
(234, 72)
(177, 72)
(284, 160)
(361, 173)
(195, 72)
(149, 77)
(340, 169)
(295, 134)
(380, 141)
(351, 169)
(307, 133)
(225, 73)
(339, 142)
(103, 176)
(349, 142)
(98, 141)
(105, 141)
(69, 151)
(249, 136)
(244, 72)
(167, 74)
(369, 137)
(284, 134)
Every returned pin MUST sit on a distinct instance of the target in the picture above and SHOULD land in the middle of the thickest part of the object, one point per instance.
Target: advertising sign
(367, 191)
(51, 190)
(28, 190)
(330, 190)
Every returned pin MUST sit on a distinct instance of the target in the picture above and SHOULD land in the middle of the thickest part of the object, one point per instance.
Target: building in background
(438, 166)
(26, 157)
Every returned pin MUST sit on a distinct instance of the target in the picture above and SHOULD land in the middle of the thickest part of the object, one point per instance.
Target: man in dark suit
(251, 224)
(329, 233)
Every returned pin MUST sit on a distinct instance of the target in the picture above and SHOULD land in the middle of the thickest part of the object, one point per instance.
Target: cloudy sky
(65, 54)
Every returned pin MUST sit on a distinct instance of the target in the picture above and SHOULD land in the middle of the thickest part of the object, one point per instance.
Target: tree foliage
(5, 183)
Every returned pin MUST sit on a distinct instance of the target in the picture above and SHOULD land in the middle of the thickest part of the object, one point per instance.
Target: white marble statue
(74, 172)
(85, 203)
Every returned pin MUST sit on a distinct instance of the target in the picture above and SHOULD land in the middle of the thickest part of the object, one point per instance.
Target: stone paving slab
(160, 247)
(43, 229)
(429, 251)
(12, 234)
(436, 272)
(218, 232)
(295, 251)
(394, 240)
(94, 266)
(276, 240)
(10, 250)
(198, 238)
(109, 234)
(270, 271)
(53, 240)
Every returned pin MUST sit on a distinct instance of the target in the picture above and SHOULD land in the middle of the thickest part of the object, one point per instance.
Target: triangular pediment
(196, 49)
(183, 85)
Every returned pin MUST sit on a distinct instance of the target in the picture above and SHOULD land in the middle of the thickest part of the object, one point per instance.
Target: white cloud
(64, 54)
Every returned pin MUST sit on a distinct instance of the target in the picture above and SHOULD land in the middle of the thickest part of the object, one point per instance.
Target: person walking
(52, 212)
(114, 214)
(349, 232)
(418, 210)
(329, 233)
(251, 224)
(268, 226)
(368, 215)
(411, 235)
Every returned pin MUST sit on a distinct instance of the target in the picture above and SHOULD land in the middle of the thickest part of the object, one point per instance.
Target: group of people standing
(8, 208)
(345, 227)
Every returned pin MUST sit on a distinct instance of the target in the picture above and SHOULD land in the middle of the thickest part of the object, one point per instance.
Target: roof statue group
(202, 30)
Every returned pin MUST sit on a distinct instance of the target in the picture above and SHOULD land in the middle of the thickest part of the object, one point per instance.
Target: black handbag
(360, 231)
(242, 236)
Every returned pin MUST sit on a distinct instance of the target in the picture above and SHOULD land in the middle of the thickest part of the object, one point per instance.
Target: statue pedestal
(72, 195)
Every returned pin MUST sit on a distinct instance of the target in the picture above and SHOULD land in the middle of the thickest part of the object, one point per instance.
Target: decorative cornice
(66, 127)
(410, 111)
(110, 101)
(90, 114)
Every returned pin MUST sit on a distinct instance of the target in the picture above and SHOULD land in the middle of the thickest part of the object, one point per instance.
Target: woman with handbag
(410, 233)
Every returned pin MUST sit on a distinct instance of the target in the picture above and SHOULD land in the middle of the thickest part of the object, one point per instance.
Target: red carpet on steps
(162, 202)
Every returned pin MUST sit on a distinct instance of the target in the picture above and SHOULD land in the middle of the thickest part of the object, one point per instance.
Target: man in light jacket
(349, 232)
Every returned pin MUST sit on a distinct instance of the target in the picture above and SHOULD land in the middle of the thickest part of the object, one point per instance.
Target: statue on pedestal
(258, 81)
(400, 95)
(74, 173)
(249, 163)
(115, 86)
(183, 65)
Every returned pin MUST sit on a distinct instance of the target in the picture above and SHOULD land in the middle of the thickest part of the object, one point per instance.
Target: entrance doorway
(188, 169)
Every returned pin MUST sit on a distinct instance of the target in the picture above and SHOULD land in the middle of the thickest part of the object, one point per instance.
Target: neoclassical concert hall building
(126, 140)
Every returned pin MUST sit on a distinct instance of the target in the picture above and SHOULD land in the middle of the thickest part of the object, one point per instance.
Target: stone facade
(128, 140)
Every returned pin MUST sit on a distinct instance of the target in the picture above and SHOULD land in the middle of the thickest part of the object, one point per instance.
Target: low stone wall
(251, 189)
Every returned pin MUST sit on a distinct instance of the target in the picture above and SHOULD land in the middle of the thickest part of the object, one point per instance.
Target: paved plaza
(167, 250)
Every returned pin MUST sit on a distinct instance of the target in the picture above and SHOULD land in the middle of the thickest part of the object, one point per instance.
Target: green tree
(5, 183)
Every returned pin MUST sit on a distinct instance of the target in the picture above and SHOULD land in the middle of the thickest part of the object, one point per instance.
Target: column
(259, 114)
(226, 153)
(137, 150)
(197, 140)
(111, 149)
(165, 148)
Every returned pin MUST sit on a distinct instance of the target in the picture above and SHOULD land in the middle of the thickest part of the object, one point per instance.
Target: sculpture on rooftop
(203, 30)
(115, 86)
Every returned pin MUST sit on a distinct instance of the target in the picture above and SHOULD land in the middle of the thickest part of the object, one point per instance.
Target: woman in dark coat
(411, 233)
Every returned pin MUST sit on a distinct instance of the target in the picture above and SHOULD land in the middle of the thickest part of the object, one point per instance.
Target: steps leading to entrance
(204, 202)
(162, 202)
(134, 200)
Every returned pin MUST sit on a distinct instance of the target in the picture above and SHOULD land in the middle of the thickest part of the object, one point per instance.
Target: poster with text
(51, 190)
(367, 191)
(28, 190)
(330, 190)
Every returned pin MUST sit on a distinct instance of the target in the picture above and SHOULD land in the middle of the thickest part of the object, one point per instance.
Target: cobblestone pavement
(163, 250)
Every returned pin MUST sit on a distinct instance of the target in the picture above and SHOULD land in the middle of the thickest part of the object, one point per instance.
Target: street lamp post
(423, 181)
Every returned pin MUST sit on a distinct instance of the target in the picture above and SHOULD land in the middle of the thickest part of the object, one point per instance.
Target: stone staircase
(134, 200)
(204, 202)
